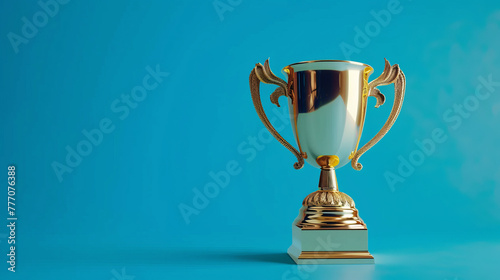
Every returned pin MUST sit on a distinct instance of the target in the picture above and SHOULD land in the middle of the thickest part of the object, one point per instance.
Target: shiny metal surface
(263, 73)
(328, 217)
(327, 161)
(328, 180)
(327, 106)
(328, 208)
(391, 74)
(335, 255)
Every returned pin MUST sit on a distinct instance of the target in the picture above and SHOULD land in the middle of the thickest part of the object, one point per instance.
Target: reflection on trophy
(327, 102)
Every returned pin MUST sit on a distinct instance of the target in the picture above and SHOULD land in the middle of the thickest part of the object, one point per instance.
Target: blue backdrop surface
(139, 155)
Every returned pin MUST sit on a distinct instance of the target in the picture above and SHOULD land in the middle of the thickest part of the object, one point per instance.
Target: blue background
(117, 214)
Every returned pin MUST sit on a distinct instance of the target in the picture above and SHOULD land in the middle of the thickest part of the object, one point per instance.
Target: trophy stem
(328, 180)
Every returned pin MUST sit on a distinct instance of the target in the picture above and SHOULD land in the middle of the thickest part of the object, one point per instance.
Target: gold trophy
(327, 102)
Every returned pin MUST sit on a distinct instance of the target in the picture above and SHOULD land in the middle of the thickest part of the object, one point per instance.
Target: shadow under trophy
(327, 102)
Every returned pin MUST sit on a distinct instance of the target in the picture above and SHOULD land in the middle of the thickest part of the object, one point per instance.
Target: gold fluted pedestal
(328, 229)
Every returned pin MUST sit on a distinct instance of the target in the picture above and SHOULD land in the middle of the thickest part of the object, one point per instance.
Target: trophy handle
(391, 74)
(264, 74)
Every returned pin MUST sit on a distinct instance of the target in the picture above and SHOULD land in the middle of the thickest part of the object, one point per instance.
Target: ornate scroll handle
(264, 74)
(391, 74)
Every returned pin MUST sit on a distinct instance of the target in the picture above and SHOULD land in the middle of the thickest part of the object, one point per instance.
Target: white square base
(330, 246)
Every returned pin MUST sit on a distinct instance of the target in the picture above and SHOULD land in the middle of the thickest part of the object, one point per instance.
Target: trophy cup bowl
(327, 101)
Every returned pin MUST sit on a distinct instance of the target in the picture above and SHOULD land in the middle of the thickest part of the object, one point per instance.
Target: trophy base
(333, 246)
(328, 229)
